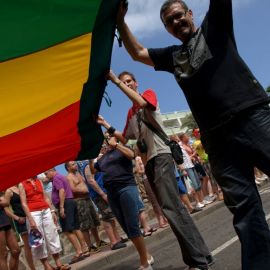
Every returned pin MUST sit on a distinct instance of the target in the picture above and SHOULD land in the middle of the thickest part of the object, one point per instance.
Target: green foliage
(189, 122)
(268, 89)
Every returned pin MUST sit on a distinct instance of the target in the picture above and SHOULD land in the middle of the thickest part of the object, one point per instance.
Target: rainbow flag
(53, 58)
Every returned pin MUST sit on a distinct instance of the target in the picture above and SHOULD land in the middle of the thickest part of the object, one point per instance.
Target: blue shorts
(124, 204)
(181, 186)
(140, 204)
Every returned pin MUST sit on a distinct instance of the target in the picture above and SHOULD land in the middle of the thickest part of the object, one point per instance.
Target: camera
(142, 146)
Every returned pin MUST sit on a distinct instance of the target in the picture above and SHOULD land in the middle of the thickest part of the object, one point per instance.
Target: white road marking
(230, 242)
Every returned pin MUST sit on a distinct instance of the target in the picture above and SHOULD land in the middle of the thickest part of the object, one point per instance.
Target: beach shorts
(88, 218)
(104, 209)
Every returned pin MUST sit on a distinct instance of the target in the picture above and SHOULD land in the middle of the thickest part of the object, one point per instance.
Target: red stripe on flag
(39, 147)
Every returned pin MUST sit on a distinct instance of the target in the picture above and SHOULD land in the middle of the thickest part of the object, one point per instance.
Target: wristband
(111, 130)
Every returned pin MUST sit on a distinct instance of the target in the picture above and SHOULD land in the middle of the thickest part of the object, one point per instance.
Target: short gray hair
(168, 3)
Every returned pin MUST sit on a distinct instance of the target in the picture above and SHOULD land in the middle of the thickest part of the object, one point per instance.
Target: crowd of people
(93, 193)
(112, 187)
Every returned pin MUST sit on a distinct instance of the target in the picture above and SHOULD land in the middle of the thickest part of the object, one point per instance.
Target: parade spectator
(62, 198)
(140, 170)
(123, 194)
(139, 179)
(229, 105)
(88, 218)
(198, 147)
(7, 239)
(198, 170)
(183, 193)
(260, 177)
(98, 194)
(188, 169)
(41, 218)
(159, 167)
(47, 184)
(17, 214)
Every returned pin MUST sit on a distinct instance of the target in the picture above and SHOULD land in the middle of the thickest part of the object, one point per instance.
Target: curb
(108, 257)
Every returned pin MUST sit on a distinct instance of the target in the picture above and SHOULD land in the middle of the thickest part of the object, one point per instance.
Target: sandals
(76, 259)
(145, 234)
(118, 246)
(153, 229)
(86, 254)
(165, 225)
(149, 233)
(123, 240)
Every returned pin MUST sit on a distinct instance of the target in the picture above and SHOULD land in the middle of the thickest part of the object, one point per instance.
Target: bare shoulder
(70, 177)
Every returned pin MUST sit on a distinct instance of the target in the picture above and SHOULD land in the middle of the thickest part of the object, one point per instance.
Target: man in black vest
(229, 105)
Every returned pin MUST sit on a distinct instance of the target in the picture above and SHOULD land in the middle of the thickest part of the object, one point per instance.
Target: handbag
(176, 150)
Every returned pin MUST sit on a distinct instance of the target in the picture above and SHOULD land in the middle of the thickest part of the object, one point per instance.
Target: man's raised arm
(134, 48)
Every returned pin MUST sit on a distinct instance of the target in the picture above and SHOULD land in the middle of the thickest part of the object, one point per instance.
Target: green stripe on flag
(32, 25)
(94, 89)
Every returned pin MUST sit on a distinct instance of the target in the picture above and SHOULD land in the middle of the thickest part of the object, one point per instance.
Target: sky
(251, 25)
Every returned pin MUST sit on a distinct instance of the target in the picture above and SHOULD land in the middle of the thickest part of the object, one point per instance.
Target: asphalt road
(217, 231)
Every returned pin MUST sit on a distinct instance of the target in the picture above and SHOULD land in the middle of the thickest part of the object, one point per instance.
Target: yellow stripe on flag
(38, 85)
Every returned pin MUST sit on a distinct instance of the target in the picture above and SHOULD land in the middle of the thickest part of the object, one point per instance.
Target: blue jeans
(195, 180)
(234, 150)
(124, 204)
(181, 187)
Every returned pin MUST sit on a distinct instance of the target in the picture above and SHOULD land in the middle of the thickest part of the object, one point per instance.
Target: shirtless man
(88, 218)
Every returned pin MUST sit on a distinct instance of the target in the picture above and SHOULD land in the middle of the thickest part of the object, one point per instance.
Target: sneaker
(195, 210)
(151, 260)
(200, 205)
(262, 178)
(206, 202)
(258, 179)
(149, 267)
(210, 198)
(102, 244)
(258, 183)
(94, 249)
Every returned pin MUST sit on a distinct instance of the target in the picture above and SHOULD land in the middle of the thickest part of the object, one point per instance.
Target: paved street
(218, 232)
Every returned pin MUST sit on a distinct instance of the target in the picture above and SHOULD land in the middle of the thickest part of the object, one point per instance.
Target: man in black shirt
(229, 105)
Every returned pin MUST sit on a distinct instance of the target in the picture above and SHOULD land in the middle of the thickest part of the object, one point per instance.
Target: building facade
(174, 122)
